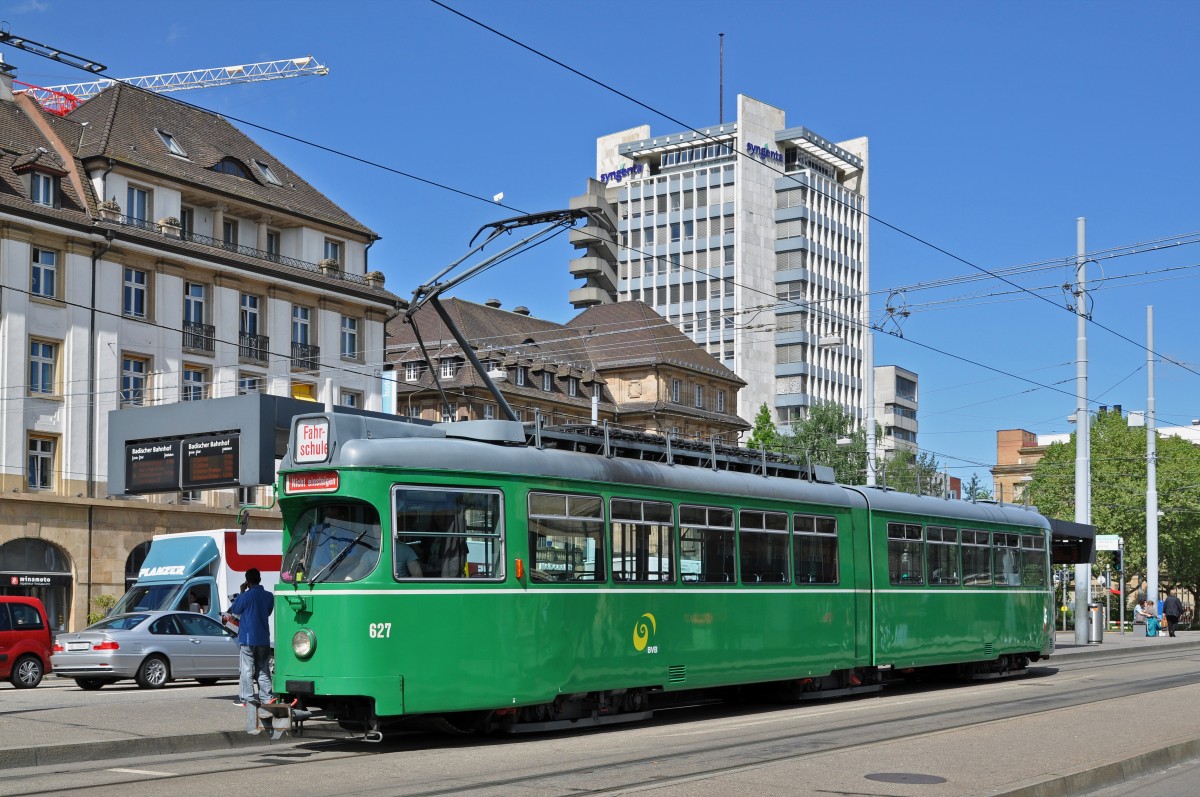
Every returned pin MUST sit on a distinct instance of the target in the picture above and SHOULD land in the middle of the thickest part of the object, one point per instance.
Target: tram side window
(1033, 560)
(905, 557)
(976, 559)
(566, 537)
(448, 533)
(942, 546)
(764, 540)
(815, 548)
(337, 541)
(642, 541)
(706, 545)
(1006, 560)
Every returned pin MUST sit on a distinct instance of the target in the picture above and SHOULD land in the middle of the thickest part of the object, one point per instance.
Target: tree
(975, 491)
(764, 434)
(912, 473)
(815, 439)
(1118, 489)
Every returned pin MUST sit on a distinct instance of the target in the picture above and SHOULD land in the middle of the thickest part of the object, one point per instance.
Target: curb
(1099, 651)
(55, 754)
(1100, 776)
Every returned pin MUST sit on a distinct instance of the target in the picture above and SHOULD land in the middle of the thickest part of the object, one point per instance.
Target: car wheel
(27, 672)
(153, 673)
(90, 684)
(206, 681)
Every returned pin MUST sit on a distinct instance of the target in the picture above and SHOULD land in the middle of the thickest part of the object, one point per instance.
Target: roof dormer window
(43, 189)
(231, 166)
(267, 174)
(171, 144)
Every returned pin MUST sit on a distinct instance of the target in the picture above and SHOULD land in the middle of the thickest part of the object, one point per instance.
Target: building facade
(751, 238)
(619, 364)
(152, 253)
(896, 409)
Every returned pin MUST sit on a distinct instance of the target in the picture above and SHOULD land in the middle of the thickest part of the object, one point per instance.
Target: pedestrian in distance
(1172, 610)
(252, 609)
(1152, 624)
(1139, 613)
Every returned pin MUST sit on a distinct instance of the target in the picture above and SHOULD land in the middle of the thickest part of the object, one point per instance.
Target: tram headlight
(304, 643)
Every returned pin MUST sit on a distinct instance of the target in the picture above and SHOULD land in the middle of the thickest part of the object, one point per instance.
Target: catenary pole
(1083, 437)
(1151, 466)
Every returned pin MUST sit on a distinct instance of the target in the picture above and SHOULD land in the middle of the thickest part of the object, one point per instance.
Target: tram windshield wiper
(335, 561)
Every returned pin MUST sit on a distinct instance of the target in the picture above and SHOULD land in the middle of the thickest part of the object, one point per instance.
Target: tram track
(911, 713)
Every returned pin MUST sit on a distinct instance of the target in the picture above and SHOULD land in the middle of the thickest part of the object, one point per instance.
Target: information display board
(188, 463)
(210, 462)
(152, 467)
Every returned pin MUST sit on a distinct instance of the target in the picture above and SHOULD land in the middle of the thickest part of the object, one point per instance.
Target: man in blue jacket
(253, 608)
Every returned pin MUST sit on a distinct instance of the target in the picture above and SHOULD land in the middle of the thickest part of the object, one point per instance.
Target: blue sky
(992, 127)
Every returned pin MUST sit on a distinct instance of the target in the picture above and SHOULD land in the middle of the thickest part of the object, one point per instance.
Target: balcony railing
(246, 251)
(305, 356)
(253, 347)
(199, 337)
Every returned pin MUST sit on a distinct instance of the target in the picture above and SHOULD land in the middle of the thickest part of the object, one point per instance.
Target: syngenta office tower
(751, 237)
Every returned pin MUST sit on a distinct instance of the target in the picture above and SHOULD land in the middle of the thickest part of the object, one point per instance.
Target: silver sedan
(153, 648)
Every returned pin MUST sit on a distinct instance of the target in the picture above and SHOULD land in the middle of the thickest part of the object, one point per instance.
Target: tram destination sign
(210, 462)
(152, 467)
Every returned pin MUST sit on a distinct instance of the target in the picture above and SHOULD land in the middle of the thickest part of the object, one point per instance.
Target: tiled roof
(20, 149)
(122, 124)
(510, 338)
(493, 329)
(631, 333)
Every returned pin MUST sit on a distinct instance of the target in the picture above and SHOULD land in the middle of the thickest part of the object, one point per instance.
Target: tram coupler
(373, 734)
(277, 718)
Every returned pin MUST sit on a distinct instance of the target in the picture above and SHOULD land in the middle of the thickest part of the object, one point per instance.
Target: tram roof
(500, 447)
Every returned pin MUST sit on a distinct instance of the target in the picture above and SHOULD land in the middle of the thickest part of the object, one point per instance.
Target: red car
(24, 641)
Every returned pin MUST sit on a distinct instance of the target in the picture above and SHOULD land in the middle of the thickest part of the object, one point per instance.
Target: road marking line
(144, 772)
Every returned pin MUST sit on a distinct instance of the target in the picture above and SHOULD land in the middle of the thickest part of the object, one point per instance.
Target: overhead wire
(849, 320)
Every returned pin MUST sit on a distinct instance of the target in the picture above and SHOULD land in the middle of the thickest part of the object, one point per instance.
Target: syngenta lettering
(762, 153)
(165, 570)
(622, 173)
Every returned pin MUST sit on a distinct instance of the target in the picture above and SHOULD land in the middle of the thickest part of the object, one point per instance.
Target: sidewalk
(56, 723)
(1116, 643)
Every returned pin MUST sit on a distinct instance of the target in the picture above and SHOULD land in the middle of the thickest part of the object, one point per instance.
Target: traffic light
(1120, 564)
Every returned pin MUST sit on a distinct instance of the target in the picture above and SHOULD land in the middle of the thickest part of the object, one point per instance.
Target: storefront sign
(39, 580)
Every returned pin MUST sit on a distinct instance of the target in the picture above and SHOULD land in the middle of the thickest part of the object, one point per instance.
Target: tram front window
(332, 542)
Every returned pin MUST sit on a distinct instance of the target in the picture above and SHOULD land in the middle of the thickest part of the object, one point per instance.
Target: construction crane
(61, 100)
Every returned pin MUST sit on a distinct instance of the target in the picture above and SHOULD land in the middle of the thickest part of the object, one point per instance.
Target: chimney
(1103, 409)
(7, 73)
(1117, 409)
(493, 303)
(521, 310)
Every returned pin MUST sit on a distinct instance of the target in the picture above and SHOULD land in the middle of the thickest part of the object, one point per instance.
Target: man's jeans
(254, 662)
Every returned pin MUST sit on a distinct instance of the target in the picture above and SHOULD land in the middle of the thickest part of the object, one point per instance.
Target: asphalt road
(985, 738)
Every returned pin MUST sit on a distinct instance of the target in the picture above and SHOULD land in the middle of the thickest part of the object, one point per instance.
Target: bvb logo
(643, 631)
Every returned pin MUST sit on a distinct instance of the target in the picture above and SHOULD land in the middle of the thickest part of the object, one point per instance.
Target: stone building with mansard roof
(621, 363)
(150, 252)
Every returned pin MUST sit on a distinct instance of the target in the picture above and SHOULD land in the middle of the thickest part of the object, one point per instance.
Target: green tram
(465, 574)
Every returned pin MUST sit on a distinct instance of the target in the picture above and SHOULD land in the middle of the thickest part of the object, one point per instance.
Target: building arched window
(38, 569)
(231, 166)
(133, 563)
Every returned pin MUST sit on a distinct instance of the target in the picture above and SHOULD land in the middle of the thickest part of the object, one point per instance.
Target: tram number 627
(381, 630)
